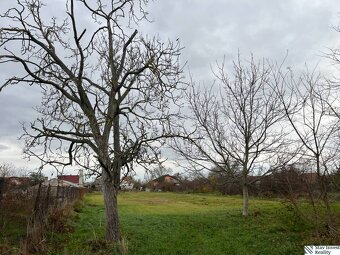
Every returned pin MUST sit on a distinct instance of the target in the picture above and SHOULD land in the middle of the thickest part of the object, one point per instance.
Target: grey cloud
(16, 107)
(208, 30)
(211, 29)
(3, 147)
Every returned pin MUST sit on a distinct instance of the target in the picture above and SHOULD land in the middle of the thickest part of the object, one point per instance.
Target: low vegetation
(173, 223)
(26, 218)
(13, 223)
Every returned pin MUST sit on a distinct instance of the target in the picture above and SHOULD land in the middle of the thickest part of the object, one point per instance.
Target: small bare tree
(107, 92)
(237, 131)
(6, 170)
(316, 132)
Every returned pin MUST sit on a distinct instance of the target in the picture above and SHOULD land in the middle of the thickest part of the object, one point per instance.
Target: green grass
(171, 223)
(13, 222)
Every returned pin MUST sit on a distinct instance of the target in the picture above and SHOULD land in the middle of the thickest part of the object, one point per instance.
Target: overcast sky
(209, 31)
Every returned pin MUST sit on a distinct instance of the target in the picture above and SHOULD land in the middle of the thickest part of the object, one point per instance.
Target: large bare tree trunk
(111, 210)
(245, 199)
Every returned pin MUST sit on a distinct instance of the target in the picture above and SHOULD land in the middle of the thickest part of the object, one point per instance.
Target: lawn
(171, 223)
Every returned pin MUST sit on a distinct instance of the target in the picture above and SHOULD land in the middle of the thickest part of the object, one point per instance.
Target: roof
(60, 182)
(127, 179)
(69, 178)
(164, 177)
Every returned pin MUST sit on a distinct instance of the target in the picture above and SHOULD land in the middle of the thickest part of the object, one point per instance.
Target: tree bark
(111, 209)
(245, 199)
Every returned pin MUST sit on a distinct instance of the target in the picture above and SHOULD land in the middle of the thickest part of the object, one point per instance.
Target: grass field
(171, 223)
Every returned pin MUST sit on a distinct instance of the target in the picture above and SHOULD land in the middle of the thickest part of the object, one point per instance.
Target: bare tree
(237, 132)
(7, 170)
(107, 92)
(316, 133)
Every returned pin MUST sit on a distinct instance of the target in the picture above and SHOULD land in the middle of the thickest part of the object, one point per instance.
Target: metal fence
(49, 200)
(41, 203)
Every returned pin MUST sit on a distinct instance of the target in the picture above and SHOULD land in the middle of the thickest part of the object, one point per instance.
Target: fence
(40, 204)
(2, 184)
(49, 201)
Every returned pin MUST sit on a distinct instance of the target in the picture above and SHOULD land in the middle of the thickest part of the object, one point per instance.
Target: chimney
(81, 177)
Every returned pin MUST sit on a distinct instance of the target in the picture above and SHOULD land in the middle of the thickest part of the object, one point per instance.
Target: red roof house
(164, 182)
(70, 178)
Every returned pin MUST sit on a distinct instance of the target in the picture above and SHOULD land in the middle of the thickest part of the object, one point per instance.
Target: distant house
(163, 183)
(61, 182)
(75, 179)
(57, 187)
(69, 178)
(127, 183)
(15, 183)
(18, 181)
